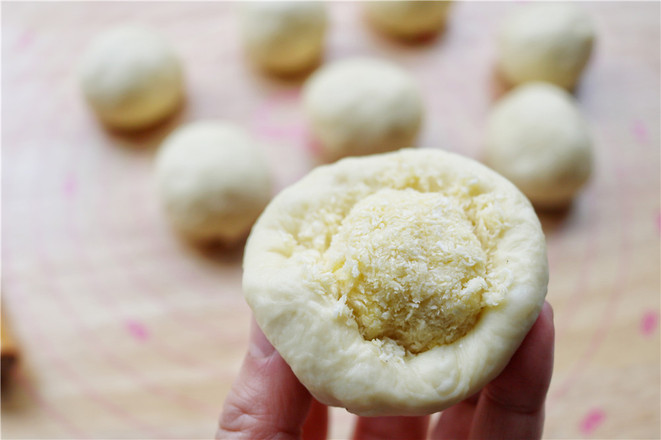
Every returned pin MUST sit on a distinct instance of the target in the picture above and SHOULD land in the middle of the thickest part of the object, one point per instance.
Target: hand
(268, 402)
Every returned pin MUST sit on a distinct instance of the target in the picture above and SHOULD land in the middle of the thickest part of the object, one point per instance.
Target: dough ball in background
(537, 138)
(213, 181)
(284, 37)
(131, 77)
(407, 19)
(362, 106)
(549, 42)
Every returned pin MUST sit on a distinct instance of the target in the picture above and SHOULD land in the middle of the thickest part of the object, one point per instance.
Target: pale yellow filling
(409, 262)
(411, 268)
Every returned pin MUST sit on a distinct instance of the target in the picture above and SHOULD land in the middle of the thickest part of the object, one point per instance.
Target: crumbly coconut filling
(410, 267)
(407, 262)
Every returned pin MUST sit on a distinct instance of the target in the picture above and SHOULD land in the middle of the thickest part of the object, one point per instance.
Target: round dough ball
(131, 77)
(537, 138)
(212, 180)
(408, 19)
(284, 37)
(548, 42)
(397, 284)
(362, 106)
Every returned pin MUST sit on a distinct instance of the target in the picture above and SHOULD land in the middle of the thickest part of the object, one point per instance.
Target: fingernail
(260, 347)
(549, 310)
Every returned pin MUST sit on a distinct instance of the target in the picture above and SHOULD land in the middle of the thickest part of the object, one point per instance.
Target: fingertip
(525, 380)
(547, 312)
(512, 405)
(259, 347)
(543, 331)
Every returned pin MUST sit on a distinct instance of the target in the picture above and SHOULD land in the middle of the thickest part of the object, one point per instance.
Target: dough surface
(131, 77)
(362, 106)
(399, 283)
(549, 42)
(537, 138)
(408, 19)
(284, 37)
(212, 180)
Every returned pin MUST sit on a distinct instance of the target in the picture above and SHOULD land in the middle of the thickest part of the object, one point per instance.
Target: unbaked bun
(212, 180)
(537, 138)
(397, 284)
(549, 42)
(284, 37)
(362, 106)
(408, 19)
(131, 77)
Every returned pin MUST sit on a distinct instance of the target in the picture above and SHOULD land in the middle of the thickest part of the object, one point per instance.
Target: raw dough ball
(131, 77)
(284, 37)
(212, 180)
(362, 106)
(548, 42)
(408, 19)
(397, 284)
(538, 139)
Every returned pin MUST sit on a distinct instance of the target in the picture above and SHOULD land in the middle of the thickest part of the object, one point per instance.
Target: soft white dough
(352, 272)
(131, 77)
(362, 106)
(549, 42)
(284, 36)
(538, 139)
(212, 180)
(408, 19)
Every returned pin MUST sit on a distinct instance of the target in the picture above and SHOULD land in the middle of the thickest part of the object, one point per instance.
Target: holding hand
(268, 402)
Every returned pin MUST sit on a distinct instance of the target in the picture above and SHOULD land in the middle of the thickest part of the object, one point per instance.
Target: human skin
(267, 401)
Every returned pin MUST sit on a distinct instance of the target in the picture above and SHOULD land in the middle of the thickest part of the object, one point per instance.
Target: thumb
(266, 400)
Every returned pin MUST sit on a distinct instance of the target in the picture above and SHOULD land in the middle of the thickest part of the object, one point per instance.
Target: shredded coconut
(408, 260)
